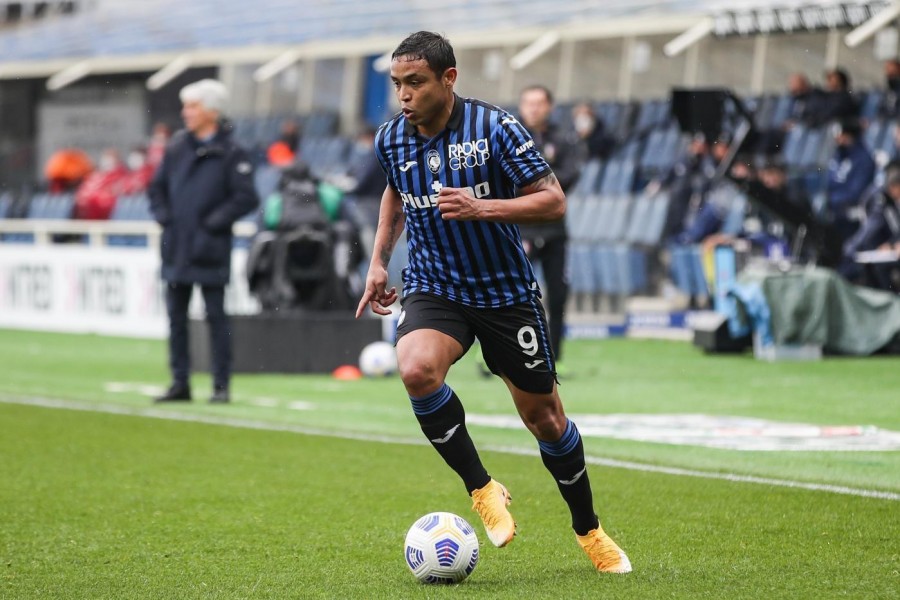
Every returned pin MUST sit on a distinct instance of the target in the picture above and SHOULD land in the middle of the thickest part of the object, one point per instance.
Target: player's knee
(545, 424)
(420, 377)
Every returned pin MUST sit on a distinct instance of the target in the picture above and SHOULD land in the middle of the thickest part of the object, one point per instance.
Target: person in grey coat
(204, 185)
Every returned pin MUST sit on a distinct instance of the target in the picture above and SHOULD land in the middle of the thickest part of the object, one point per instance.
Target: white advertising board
(112, 291)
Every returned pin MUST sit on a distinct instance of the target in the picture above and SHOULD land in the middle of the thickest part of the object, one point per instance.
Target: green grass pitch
(119, 499)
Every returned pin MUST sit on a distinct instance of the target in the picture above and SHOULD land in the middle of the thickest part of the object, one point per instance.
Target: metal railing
(98, 232)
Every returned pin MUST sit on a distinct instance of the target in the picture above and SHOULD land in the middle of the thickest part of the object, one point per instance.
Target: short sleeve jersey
(487, 151)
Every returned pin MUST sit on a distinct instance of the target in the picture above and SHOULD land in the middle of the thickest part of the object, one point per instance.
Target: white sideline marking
(723, 432)
(210, 419)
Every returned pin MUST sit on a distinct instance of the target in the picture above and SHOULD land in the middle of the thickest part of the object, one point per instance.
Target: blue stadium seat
(132, 207)
(610, 177)
(265, 180)
(37, 207)
(320, 124)
(810, 156)
(874, 133)
(603, 253)
(589, 179)
(650, 156)
(764, 111)
(6, 201)
(780, 111)
(583, 231)
(792, 149)
(887, 144)
(870, 103)
(687, 270)
(652, 231)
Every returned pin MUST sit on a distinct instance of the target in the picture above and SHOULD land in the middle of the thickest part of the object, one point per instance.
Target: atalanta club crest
(434, 160)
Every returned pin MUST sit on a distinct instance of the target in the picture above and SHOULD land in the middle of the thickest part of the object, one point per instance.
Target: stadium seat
(589, 179)
(5, 204)
(652, 231)
(887, 140)
(583, 230)
(874, 134)
(810, 156)
(321, 124)
(265, 180)
(870, 103)
(687, 270)
(781, 111)
(131, 207)
(792, 150)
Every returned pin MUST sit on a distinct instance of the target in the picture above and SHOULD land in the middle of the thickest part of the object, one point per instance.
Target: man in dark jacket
(546, 242)
(837, 103)
(204, 185)
(881, 231)
(850, 171)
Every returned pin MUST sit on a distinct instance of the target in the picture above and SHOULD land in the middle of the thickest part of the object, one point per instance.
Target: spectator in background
(156, 147)
(837, 102)
(546, 243)
(803, 110)
(364, 184)
(850, 171)
(805, 100)
(776, 212)
(66, 169)
(203, 186)
(366, 179)
(140, 171)
(687, 181)
(890, 102)
(591, 131)
(283, 151)
(880, 231)
(96, 196)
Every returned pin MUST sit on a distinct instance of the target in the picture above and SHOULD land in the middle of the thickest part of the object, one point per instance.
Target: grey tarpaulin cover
(811, 305)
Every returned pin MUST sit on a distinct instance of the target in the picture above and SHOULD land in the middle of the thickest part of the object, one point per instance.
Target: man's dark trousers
(551, 254)
(178, 297)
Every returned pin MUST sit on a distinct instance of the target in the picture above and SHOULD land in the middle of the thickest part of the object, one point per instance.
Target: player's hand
(377, 296)
(455, 203)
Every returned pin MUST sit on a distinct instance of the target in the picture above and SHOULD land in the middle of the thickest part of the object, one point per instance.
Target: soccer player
(461, 174)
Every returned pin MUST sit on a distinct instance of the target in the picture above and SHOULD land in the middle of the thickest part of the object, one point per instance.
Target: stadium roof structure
(172, 35)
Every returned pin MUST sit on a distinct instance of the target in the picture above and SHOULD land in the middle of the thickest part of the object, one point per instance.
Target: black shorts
(514, 339)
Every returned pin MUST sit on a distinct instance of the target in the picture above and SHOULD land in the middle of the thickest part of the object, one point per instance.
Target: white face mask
(107, 162)
(583, 123)
(135, 161)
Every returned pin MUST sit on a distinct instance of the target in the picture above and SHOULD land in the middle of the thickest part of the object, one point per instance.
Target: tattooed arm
(391, 221)
(390, 225)
(538, 202)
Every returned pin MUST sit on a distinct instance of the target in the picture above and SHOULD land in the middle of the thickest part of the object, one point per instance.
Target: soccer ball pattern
(378, 359)
(441, 548)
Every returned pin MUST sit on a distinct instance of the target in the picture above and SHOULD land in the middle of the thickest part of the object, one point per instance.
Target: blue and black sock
(564, 459)
(443, 421)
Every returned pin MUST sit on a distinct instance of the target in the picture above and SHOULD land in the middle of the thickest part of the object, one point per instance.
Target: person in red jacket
(96, 196)
(140, 172)
(66, 169)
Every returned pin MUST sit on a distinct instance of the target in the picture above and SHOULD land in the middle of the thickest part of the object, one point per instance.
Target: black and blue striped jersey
(485, 149)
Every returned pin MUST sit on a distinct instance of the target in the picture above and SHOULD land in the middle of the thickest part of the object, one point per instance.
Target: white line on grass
(209, 419)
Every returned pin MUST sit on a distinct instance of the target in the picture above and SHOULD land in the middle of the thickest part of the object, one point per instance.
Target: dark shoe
(220, 396)
(175, 393)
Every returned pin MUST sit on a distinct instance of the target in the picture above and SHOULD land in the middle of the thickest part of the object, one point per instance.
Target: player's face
(423, 95)
(534, 108)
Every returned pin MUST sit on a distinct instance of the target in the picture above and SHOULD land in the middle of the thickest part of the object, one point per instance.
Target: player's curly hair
(431, 47)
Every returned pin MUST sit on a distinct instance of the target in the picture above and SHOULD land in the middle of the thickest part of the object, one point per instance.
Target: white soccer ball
(441, 548)
(378, 359)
